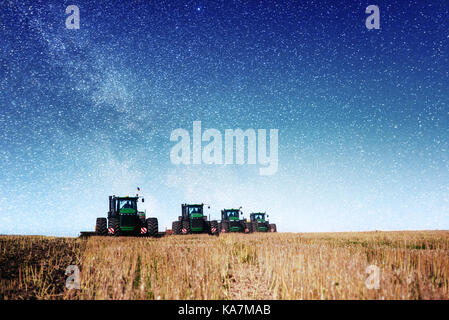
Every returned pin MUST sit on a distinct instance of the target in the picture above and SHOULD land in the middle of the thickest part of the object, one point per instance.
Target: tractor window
(259, 216)
(195, 210)
(127, 204)
(233, 213)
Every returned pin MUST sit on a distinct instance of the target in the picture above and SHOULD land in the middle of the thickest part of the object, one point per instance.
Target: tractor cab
(122, 205)
(127, 205)
(230, 214)
(193, 210)
(258, 217)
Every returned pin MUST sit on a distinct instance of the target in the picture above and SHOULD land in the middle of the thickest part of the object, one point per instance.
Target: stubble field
(400, 265)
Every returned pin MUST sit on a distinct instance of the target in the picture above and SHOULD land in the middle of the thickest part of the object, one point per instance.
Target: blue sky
(363, 115)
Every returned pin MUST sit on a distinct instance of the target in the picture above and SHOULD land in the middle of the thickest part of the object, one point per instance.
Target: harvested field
(411, 265)
(33, 267)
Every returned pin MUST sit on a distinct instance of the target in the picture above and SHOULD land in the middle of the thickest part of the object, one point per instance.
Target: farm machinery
(230, 221)
(125, 219)
(258, 223)
(193, 220)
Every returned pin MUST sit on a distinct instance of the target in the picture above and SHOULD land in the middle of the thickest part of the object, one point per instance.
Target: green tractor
(193, 220)
(230, 221)
(125, 219)
(258, 223)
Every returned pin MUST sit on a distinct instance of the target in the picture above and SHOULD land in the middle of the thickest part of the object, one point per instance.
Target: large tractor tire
(101, 227)
(115, 224)
(224, 227)
(249, 226)
(186, 227)
(214, 226)
(254, 226)
(272, 228)
(152, 226)
(245, 227)
(206, 227)
(176, 227)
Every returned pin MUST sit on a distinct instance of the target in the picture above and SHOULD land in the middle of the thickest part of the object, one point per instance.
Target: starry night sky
(363, 115)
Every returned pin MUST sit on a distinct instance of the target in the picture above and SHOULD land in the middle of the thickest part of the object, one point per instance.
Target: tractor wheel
(152, 227)
(219, 227)
(176, 227)
(115, 223)
(273, 227)
(186, 226)
(214, 225)
(224, 227)
(101, 226)
(254, 226)
(206, 227)
(244, 227)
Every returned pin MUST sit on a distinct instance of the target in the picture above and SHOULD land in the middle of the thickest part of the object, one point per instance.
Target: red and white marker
(223, 230)
(213, 230)
(184, 230)
(246, 230)
(111, 230)
(143, 230)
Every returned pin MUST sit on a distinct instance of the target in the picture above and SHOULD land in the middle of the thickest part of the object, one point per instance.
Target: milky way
(363, 115)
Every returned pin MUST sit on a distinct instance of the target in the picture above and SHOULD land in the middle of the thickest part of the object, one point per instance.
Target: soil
(49, 257)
